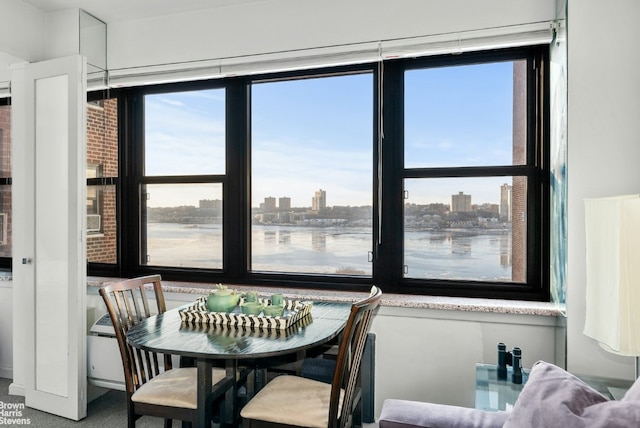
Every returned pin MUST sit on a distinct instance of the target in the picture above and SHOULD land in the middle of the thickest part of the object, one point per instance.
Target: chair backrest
(349, 358)
(127, 305)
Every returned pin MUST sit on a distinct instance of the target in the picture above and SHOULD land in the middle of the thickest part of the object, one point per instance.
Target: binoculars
(506, 358)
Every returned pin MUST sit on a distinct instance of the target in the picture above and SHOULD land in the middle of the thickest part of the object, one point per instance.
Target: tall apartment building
(284, 203)
(505, 202)
(460, 203)
(319, 200)
(269, 203)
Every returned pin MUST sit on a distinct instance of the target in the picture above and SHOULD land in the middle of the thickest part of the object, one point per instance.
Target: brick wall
(519, 190)
(102, 149)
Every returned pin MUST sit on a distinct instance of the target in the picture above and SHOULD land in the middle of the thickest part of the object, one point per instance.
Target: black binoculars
(506, 358)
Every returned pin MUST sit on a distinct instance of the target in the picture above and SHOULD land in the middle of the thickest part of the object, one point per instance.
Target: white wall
(280, 25)
(22, 30)
(604, 146)
(430, 355)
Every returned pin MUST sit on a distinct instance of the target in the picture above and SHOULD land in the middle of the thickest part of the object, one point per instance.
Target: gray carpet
(107, 411)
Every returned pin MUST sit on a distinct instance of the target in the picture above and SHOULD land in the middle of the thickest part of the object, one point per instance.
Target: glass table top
(493, 394)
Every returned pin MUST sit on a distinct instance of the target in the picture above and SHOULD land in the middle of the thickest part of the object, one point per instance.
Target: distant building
(284, 203)
(460, 203)
(505, 202)
(210, 204)
(269, 203)
(319, 200)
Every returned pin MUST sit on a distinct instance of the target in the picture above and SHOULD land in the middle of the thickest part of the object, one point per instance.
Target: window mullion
(236, 194)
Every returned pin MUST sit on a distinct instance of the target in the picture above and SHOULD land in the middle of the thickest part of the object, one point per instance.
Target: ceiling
(119, 10)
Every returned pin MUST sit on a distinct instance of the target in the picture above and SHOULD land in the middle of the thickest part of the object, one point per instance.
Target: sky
(318, 134)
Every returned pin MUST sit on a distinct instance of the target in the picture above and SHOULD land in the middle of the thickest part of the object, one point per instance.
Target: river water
(444, 254)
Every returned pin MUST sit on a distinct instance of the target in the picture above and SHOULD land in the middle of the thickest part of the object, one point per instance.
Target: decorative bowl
(251, 296)
(277, 299)
(273, 311)
(251, 308)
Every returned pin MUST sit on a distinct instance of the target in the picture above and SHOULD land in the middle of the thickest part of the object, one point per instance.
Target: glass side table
(613, 389)
(496, 395)
(493, 394)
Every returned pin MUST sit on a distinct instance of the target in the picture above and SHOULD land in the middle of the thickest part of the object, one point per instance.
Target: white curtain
(613, 273)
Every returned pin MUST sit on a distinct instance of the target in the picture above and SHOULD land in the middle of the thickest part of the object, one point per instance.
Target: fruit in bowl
(222, 299)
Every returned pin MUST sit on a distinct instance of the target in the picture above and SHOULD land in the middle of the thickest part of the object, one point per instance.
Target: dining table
(234, 346)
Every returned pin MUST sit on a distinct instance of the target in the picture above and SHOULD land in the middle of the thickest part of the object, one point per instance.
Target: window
(471, 227)
(423, 176)
(181, 189)
(311, 175)
(95, 201)
(473, 175)
(102, 178)
(5, 183)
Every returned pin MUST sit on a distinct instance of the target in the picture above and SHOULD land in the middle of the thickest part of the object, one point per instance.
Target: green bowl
(252, 308)
(273, 311)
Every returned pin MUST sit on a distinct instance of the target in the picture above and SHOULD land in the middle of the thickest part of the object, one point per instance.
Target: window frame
(387, 178)
(536, 169)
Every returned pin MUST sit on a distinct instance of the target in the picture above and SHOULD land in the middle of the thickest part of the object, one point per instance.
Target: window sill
(515, 307)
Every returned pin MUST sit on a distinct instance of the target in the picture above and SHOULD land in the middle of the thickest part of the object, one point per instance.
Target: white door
(49, 266)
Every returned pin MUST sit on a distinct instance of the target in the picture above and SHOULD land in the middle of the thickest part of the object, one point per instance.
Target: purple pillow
(552, 397)
(612, 414)
(633, 394)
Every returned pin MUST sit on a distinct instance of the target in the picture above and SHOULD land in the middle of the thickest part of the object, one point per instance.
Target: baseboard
(94, 392)
(16, 389)
(6, 372)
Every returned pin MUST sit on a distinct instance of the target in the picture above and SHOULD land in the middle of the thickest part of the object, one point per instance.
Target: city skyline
(284, 202)
(318, 133)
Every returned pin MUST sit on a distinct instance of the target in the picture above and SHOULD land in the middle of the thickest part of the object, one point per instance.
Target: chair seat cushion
(292, 400)
(175, 388)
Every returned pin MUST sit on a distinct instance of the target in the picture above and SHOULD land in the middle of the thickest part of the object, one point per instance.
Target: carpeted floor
(107, 411)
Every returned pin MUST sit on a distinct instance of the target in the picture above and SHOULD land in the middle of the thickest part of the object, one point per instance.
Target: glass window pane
(5, 172)
(466, 229)
(311, 176)
(101, 224)
(102, 162)
(469, 115)
(185, 133)
(183, 226)
(5, 221)
(5, 141)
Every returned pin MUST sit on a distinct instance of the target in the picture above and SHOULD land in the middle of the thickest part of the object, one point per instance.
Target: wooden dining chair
(289, 400)
(153, 386)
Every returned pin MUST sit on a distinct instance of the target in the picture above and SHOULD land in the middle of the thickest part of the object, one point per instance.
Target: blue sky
(317, 133)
